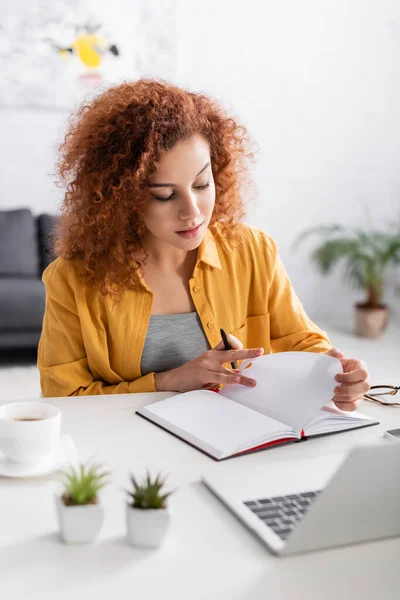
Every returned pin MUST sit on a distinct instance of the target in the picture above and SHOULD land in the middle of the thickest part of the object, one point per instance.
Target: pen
(228, 347)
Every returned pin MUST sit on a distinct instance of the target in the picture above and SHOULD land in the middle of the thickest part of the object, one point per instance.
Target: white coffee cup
(28, 441)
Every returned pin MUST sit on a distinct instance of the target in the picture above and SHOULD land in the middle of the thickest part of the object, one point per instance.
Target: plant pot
(79, 524)
(147, 526)
(370, 322)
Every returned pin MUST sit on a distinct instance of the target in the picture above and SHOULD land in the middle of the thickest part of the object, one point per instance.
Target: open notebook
(290, 402)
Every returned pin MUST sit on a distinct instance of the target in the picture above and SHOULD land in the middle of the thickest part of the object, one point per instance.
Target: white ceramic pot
(147, 526)
(79, 524)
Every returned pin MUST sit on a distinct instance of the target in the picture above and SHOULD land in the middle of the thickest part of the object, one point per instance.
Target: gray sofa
(25, 251)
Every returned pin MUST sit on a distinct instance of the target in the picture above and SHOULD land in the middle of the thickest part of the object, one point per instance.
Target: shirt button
(210, 324)
(196, 288)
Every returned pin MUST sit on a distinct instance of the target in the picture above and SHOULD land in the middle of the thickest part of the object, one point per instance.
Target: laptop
(314, 503)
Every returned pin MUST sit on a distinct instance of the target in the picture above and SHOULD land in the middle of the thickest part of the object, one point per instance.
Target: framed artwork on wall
(56, 53)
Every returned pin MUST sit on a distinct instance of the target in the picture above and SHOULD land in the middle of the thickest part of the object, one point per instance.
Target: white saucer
(64, 455)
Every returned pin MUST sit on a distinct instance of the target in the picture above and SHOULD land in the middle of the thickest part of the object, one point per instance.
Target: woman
(153, 259)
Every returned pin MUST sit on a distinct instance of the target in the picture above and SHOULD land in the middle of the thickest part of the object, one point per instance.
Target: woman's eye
(197, 187)
(161, 199)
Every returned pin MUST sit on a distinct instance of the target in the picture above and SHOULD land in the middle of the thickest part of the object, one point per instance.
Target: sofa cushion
(45, 226)
(19, 250)
(22, 304)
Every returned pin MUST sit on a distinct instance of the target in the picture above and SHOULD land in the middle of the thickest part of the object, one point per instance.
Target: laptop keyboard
(282, 513)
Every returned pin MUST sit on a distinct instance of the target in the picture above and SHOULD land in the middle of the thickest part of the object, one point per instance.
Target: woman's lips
(190, 234)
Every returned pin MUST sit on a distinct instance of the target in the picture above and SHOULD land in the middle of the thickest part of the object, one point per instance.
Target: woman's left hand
(353, 382)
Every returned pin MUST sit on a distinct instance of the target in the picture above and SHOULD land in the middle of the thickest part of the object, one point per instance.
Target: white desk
(208, 553)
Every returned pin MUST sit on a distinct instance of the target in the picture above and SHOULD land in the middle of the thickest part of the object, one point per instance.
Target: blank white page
(215, 422)
(331, 418)
(291, 386)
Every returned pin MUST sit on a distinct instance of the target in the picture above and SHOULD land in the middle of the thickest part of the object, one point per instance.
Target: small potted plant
(367, 256)
(80, 514)
(148, 517)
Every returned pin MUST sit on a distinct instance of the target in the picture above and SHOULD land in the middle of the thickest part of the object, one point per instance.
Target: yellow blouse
(90, 345)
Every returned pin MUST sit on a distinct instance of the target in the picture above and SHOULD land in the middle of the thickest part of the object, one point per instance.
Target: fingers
(243, 380)
(348, 406)
(354, 383)
(335, 353)
(233, 341)
(349, 392)
(231, 355)
(232, 376)
(355, 376)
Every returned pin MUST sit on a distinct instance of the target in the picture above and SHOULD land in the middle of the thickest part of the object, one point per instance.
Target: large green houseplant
(366, 256)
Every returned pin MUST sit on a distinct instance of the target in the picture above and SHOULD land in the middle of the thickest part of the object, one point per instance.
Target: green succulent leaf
(82, 484)
(147, 494)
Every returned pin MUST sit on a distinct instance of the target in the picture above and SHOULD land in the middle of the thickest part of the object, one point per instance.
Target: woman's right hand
(207, 369)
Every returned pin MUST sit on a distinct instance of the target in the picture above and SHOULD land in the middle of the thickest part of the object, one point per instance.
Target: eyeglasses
(383, 391)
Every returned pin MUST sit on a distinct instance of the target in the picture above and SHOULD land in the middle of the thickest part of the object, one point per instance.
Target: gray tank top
(171, 341)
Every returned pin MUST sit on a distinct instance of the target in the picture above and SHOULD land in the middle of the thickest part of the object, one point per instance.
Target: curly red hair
(112, 146)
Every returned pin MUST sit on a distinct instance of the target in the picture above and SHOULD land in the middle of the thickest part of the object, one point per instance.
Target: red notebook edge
(280, 442)
(261, 447)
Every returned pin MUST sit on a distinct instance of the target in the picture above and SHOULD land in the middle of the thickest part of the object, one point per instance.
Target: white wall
(27, 154)
(316, 82)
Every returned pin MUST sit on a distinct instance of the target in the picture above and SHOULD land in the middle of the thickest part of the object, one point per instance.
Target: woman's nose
(189, 208)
